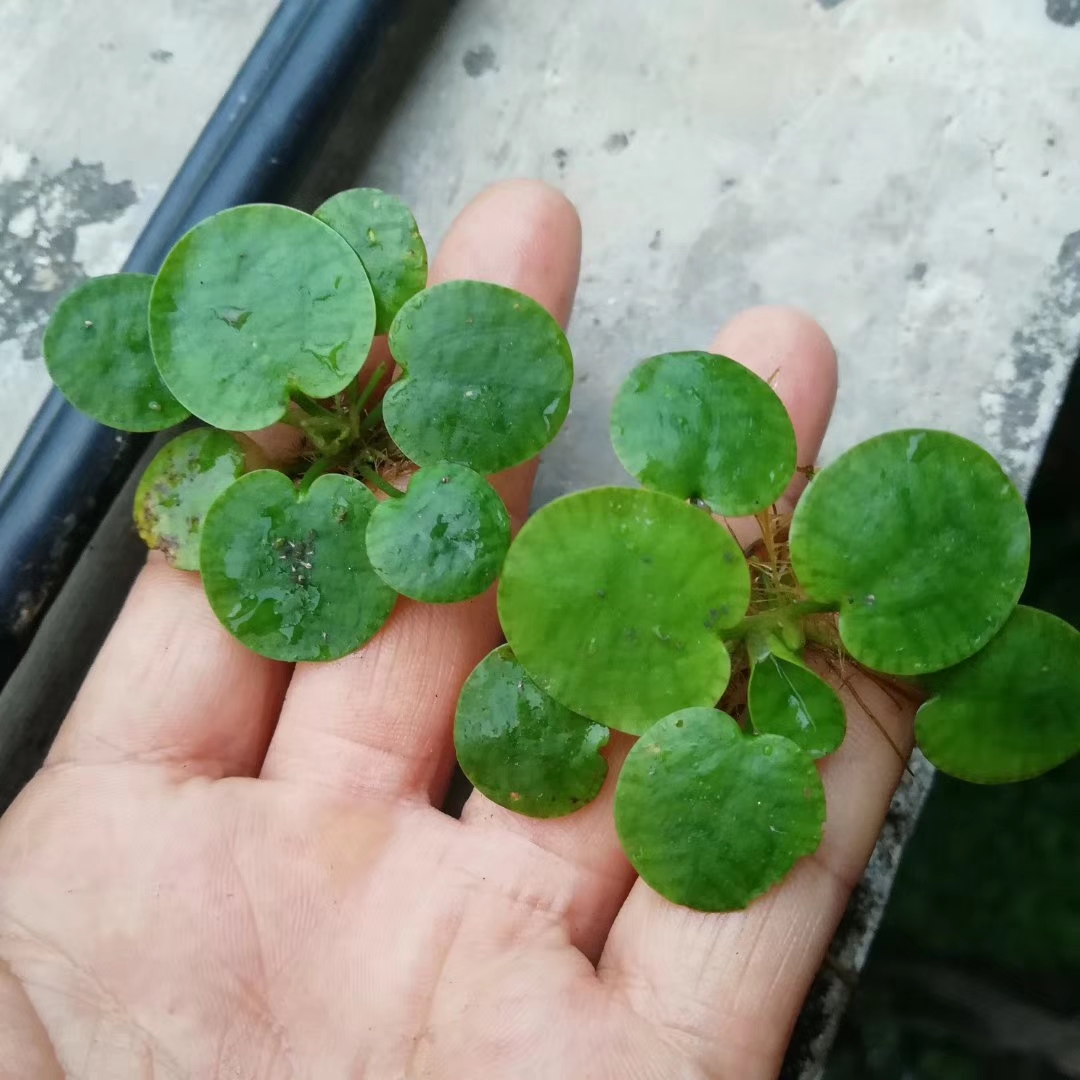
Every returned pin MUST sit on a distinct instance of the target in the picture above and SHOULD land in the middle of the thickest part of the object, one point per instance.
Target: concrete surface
(904, 169)
(100, 100)
(900, 168)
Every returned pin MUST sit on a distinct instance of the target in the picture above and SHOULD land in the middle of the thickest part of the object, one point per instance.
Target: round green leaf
(383, 232)
(178, 488)
(712, 818)
(252, 303)
(287, 572)
(444, 539)
(922, 542)
(1011, 711)
(788, 699)
(703, 427)
(97, 351)
(613, 600)
(520, 747)
(487, 377)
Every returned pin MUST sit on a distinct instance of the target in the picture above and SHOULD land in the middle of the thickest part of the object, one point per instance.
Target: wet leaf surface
(786, 698)
(613, 600)
(520, 747)
(921, 540)
(288, 573)
(704, 427)
(179, 486)
(487, 377)
(97, 351)
(1011, 711)
(444, 540)
(254, 302)
(712, 818)
(382, 231)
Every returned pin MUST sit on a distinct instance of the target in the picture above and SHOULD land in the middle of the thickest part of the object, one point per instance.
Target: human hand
(230, 868)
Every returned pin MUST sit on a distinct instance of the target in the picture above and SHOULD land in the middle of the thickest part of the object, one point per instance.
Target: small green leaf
(287, 572)
(613, 600)
(1011, 711)
(444, 540)
(252, 303)
(383, 232)
(178, 488)
(712, 818)
(787, 698)
(520, 747)
(487, 377)
(922, 542)
(97, 351)
(704, 427)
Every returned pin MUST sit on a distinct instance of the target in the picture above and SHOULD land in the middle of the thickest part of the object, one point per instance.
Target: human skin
(229, 867)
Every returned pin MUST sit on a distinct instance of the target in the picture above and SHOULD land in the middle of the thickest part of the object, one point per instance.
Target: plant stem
(369, 388)
(323, 465)
(371, 419)
(310, 405)
(768, 535)
(777, 617)
(372, 476)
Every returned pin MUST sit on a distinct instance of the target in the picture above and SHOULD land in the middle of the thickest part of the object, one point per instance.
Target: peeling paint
(1020, 406)
(41, 213)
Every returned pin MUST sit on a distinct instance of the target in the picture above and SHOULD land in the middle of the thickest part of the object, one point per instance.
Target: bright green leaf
(178, 488)
(97, 351)
(787, 698)
(487, 377)
(613, 600)
(288, 572)
(252, 303)
(444, 540)
(922, 542)
(712, 818)
(520, 747)
(704, 427)
(383, 232)
(1011, 711)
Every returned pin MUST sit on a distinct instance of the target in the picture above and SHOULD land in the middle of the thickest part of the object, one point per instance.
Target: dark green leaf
(254, 302)
(444, 540)
(704, 427)
(712, 818)
(921, 540)
(613, 600)
(97, 351)
(383, 232)
(1011, 711)
(178, 488)
(487, 377)
(288, 572)
(787, 698)
(520, 747)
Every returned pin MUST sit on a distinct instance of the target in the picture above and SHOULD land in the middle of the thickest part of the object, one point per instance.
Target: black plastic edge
(67, 469)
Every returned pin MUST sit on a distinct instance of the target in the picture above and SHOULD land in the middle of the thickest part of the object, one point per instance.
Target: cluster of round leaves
(626, 609)
(261, 314)
(630, 608)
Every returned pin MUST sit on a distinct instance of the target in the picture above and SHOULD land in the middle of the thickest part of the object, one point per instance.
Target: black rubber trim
(68, 469)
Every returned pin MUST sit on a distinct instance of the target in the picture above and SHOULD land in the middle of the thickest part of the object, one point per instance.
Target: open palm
(232, 868)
